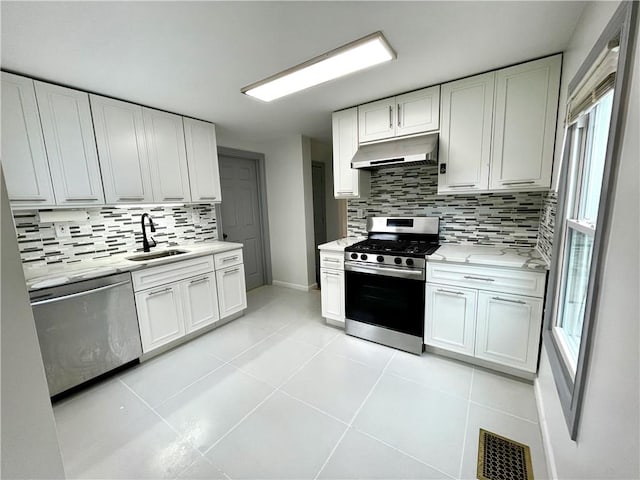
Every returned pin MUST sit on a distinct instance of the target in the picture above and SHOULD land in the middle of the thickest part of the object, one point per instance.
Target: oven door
(392, 302)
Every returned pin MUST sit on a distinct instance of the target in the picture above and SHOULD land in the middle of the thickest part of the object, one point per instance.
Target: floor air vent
(500, 458)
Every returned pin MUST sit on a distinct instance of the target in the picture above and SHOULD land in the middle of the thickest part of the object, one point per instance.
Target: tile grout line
(497, 410)
(466, 424)
(353, 417)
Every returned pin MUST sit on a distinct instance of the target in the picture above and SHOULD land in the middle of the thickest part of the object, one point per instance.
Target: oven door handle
(386, 271)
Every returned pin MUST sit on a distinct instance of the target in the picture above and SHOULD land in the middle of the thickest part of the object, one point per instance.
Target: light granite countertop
(340, 244)
(490, 255)
(61, 274)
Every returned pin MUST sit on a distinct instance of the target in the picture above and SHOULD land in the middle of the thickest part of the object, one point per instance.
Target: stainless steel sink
(156, 255)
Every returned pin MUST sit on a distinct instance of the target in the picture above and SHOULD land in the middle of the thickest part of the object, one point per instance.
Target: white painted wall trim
(544, 430)
(295, 286)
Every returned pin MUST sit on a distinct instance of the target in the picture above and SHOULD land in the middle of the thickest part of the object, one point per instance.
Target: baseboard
(544, 431)
(294, 286)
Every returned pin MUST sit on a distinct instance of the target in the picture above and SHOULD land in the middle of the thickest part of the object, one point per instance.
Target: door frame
(322, 166)
(262, 205)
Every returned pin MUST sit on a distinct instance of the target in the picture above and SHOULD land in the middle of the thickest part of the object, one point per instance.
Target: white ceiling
(193, 57)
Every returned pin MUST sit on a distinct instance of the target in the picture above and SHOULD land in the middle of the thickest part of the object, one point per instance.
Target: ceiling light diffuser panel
(358, 55)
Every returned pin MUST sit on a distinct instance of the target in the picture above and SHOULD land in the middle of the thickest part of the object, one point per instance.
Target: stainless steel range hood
(403, 151)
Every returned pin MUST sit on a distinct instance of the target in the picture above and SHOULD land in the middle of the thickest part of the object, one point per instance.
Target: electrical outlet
(62, 230)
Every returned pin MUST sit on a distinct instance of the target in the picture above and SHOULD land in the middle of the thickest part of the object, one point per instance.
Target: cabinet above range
(66, 147)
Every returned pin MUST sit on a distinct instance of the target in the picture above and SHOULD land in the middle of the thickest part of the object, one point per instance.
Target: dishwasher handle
(80, 294)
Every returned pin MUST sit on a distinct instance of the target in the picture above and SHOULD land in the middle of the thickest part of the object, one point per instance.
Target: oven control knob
(398, 260)
(354, 255)
(363, 256)
(409, 261)
(380, 258)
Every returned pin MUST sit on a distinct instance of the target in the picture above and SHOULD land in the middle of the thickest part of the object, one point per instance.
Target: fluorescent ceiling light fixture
(357, 55)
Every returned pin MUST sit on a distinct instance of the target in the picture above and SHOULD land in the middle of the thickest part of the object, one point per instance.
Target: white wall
(608, 443)
(321, 152)
(29, 447)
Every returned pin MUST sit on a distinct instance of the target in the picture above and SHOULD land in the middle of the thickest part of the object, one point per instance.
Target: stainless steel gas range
(385, 281)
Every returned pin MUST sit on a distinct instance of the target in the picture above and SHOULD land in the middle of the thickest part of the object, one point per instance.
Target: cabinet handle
(399, 117)
(130, 199)
(450, 291)
(462, 186)
(519, 302)
(199, 280)
(469, 277)
(80, 199)
(527, 182)
(173, 199)
(332, 274)
(208, 197)
(167, 289)
(231, 271)
(334, 260)
(228, 259)
(390, 116)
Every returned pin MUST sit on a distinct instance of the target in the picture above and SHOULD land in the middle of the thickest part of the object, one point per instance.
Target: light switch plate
(62, 230)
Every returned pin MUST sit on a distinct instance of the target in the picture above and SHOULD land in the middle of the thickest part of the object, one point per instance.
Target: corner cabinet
(202, 160)
(24, 159)
(347, 182)
(489, 315)
(332, 287)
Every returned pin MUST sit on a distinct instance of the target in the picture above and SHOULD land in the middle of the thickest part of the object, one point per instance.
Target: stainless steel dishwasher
(85, 329)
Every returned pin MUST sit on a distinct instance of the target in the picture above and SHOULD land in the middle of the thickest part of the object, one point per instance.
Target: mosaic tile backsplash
(547, 224)
(110, 231)
(510, 219)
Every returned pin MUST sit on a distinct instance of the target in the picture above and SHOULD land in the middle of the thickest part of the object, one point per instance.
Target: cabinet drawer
(487, 278)
(332, 260)
(172, 272)
(228, 259)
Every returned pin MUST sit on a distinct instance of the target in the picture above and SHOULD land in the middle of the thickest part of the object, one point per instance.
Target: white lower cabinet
(232, 291)
(200, 302)
(160, 316)
(474, 311)
(332, 294)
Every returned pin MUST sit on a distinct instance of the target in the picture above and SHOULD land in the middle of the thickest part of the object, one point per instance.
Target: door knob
(224, 236)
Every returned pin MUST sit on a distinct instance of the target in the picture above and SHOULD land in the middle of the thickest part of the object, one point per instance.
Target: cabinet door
(332, 294)
(418, 112)
(160, 316)
(525, 125)
(200, 302)
(347, 182)
(71, 144)
(465, 134)
(508, 330)
(122, 150)
(232, 291)
(450, 318)
(376, 120)
(24, 159)
(167, 156)
(202, 159)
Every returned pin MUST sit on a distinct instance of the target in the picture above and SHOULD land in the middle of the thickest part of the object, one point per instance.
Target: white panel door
(418, 111)
(347, 182)
(167, 156)
(200, 302)
(160, 316)
(232, 291)
(376, 120)
(122, 150)
(24, 158)
(332, 294)
(465, 134)
(202, 159)
(450, 318)
(71, 145)
(525, 125)
(508, 329)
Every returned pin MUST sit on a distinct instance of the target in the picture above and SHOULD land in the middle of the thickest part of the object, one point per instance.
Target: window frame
(571, 387)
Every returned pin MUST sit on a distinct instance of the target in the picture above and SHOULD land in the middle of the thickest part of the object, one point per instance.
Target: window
(587, 177)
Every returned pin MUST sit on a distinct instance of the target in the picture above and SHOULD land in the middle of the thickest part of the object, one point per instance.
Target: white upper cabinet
(71, 146)
(526, 107)
(167, 156)
(122, 150)
(465, 134)
(202, 160)
(408, 114)
(24, 158)
(347, 182)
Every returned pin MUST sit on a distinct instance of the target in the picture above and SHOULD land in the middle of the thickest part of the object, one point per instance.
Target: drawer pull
(484, 279)
(231, 271)
(332, 274)
(199, 280)
(334, 260)
(228, 259)
(463, 186)
(528, 182)
(451, 292)
(519, 302)
(167, 289)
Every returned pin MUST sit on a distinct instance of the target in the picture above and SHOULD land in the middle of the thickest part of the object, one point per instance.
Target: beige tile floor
(278, 394)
